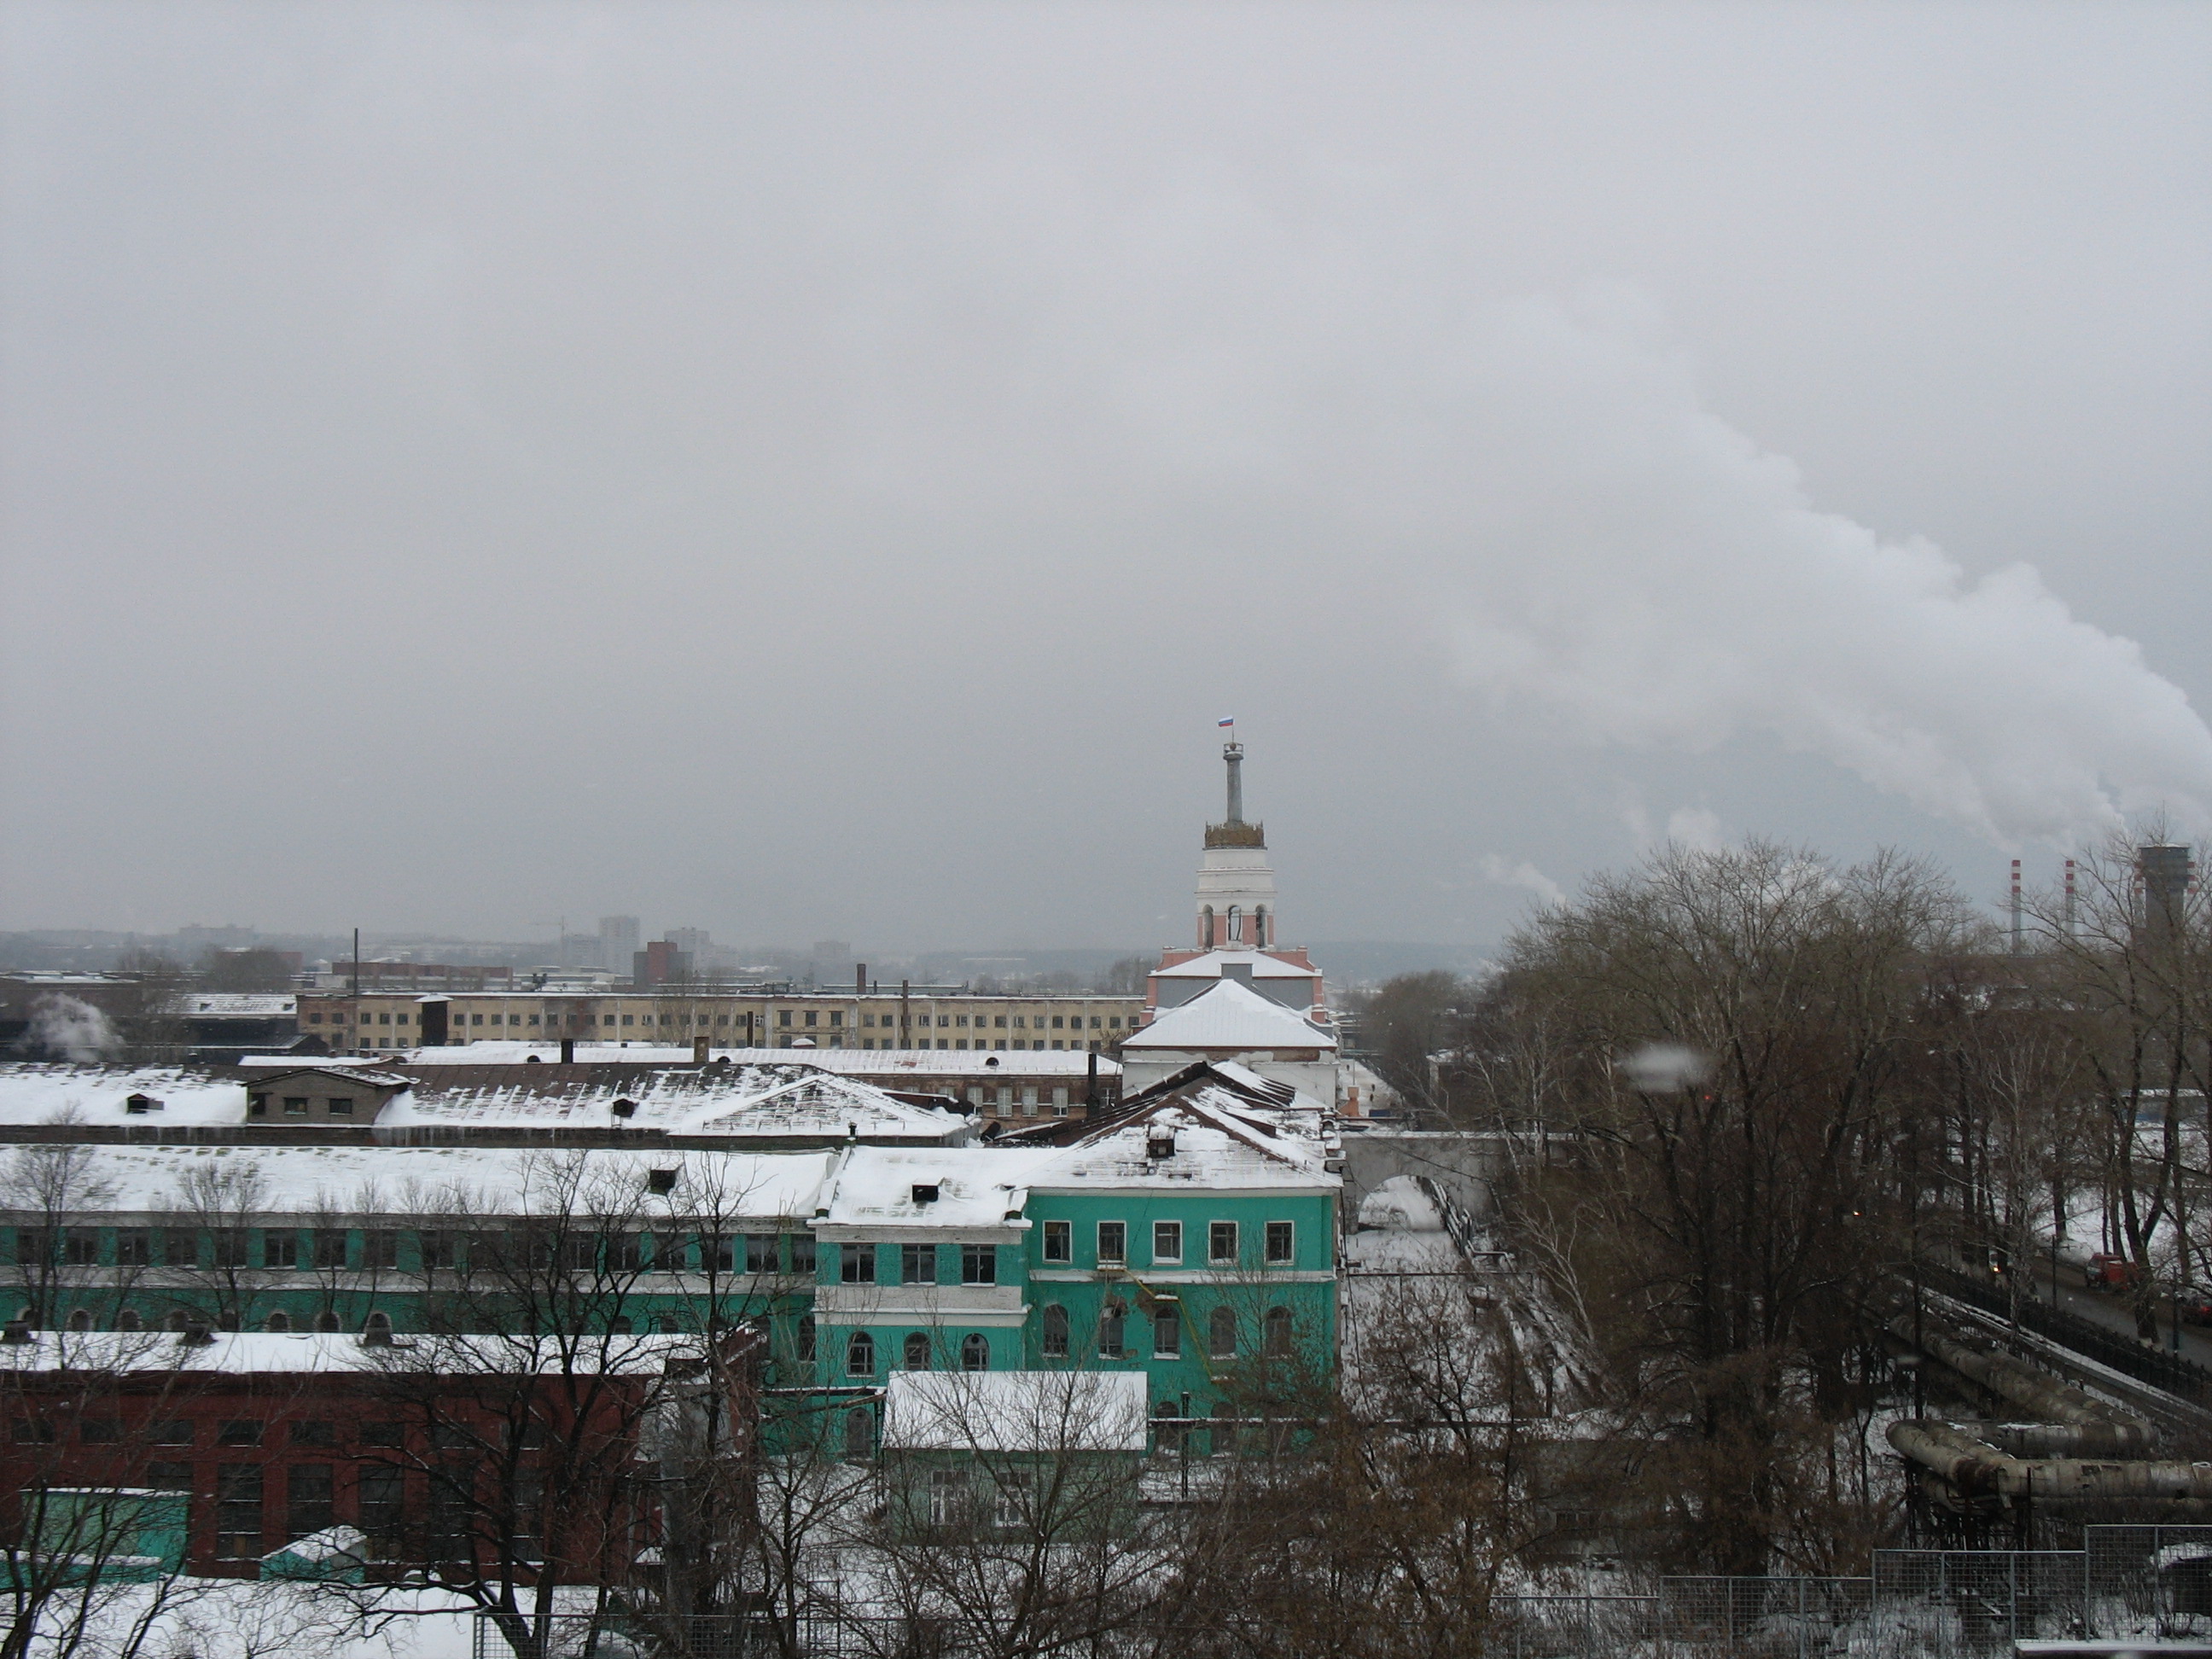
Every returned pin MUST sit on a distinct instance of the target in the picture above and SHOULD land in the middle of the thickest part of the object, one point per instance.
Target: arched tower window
(1235, 924)
(1259, 927)
(975, 1352)
(860, 1355)
(917, 1352)
(1205, 928)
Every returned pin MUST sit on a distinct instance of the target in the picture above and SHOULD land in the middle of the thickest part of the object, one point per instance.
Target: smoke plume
(67, 1028)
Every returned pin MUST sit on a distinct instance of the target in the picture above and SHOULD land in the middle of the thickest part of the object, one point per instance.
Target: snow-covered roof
(1214, 964)
(34, 1092)
(241, 1005)
(306, 1181)
(1231, 1018)
(883, 1063)
(1015, 1412)
(229, 1351)
(366, 1075)
(977, 1187)
(781, 1102)
(1219, 1142)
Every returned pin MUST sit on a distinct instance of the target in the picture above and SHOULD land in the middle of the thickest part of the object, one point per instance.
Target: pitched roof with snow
(1231, 1018)
(1218, 1143)
(1015, 1412)
(975, 1187)
(883, 1064)
(32, 1092)
(783, 1102)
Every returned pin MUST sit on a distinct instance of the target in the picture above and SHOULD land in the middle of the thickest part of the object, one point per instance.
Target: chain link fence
(2127, 1584)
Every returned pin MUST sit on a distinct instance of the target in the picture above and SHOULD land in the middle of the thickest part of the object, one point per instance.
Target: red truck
(2111, 1272)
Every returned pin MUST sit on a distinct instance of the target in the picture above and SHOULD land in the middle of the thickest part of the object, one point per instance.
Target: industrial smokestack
(2165, 871)
(860, 979)
(2019, 937)
(2069, 898)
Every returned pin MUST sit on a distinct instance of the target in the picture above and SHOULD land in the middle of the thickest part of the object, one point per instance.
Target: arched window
(1276, 1332)
(280, 1322)
(620, 1326)
(327, 1320)
(1111, 1316)
(1206, 940)
(1221, 1332)
(665, 1324)
(1167, 1424)
(176, 1321)
(975, 1352)
(860, 1355)
(1167, 1331)
(128, 1320)
(1235, 924)
(806, 1338)
(79, 1319)
(917, 1352)
(1055, 1331)
(859, 1431)
(1259, 927)
(379, 1323)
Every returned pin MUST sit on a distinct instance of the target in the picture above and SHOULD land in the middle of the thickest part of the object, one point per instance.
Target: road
(2111, 1312)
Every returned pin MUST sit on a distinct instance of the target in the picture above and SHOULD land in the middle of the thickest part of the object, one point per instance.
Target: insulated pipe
(2044, 1396)
(2065, 1439)
(1973, 1467)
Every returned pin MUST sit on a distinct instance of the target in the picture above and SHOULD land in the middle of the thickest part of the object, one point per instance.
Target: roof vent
(137, 1105)
(1159, 1142)
(530, 1060)
(196, 1334)
(660, 1181)
(15, 1332)
(924, 1193)
(625, 1108)
(993, 1060)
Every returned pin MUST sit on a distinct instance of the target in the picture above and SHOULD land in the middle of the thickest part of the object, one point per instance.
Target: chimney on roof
(1159, 1141)
(568, 1051)
(860, 979)
(625, 1108)
(1090, 1085)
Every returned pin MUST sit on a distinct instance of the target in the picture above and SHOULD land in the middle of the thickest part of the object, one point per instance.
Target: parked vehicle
(2111, 1272)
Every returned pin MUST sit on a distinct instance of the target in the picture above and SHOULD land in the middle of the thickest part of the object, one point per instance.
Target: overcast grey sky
(821, 469)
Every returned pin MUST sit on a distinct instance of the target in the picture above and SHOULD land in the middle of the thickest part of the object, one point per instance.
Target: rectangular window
(1113, 1242)
(230, 1248)
(440, 1252)
(1059, 1241)
(783, 1016)
(383, 1512)
(240, 1431)
(380, 1248)
(978, 1264)
(315, 1433)
(134, 1248)
(668, 1253)
(917, 1264)
(383, 1434)
(99, 1431)
(998, 1022)
(811, 1016)
(296, 1105)
(169, 1477)
(1167, 1331)
(180, 1247)
(858, 1264)
(1282, 1242)
(868, 1020)
(33, 1431)
(81, 1247)
(1221, 1243)
(1058, 1024)
(237, 1511)
(760, 1253)
(308, 1490)
(1166, 1243)
(330, 1247)
(174, 1431)
(280, 1248)
(802, 1253)
(836, 1017)
(339, 1106)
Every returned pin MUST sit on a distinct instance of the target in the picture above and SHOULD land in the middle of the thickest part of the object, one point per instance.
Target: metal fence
(2159, 1367)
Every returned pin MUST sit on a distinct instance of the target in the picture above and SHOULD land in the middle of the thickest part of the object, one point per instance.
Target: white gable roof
(1230, 1018)
(1015, 1411)
(1215, 965)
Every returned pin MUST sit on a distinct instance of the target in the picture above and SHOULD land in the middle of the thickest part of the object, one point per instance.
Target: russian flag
(1227, 722)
